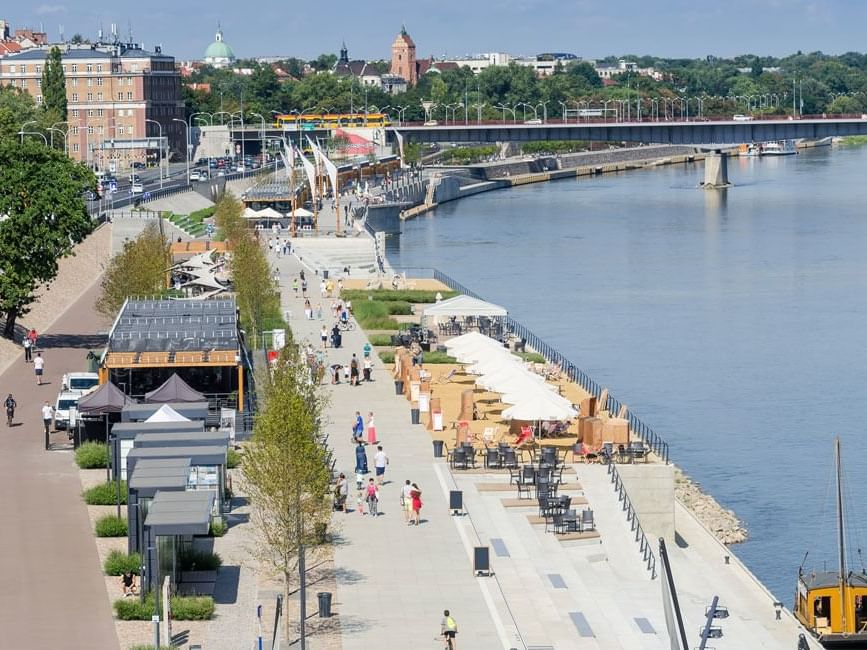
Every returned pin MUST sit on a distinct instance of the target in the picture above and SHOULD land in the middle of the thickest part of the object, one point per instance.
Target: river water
(734, 323)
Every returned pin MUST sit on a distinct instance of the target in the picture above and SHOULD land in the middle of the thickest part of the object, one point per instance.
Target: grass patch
(438, 357)
(379, 323)
(358, 296)
(92, 455)
(386, 357)
(117, 563)
(380, 339)
(184, 608)
(233, 458)
(192, 560)
(532, 357)
(105, 494)
(111, 526)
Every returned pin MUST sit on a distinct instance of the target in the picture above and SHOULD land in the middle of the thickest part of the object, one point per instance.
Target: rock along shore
(723, 523)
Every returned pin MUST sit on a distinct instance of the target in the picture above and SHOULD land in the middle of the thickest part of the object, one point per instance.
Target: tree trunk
(9, 329)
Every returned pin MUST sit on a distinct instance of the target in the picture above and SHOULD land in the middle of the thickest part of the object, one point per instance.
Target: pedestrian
(367, 349)
(32, 336)
(368, 367)
(448, 629)
(372, 498)
(47, 416)
(341, 492)
(308, 310)
(335, 373)
(358, 429)
(360, 459)
(371, 429)
(380, 460)
(38, 366)
(323, 288)
(406, 501)
(415, 495)
(28, 349)
(304, 288)
(295, 286)
(324, 336)
(353, 372)
(318, 311)
(286, 247)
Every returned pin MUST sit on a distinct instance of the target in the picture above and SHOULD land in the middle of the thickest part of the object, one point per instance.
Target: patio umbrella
(471, 340)
(512, 383)
(482, 363)
(538, 407)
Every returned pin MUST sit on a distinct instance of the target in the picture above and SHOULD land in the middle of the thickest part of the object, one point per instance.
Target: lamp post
(24, 129)
(544, 106)
(51, 130)
(401, 111)
(160, 160)
(505, 108)
(222, 122)
(41, 135)
(563, 105)
(174, 119)
(263, 130)
(65, 135)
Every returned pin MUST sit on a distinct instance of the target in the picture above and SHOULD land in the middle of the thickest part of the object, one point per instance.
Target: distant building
(431, 65)
(543, 65)
(22, 39)
(219, 54)
(115, 91)
(609, 72)
(392, 84)
(367, 73)
(403, 62)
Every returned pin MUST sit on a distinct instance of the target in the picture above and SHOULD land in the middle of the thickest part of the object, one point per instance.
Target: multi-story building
(403, 63)
(623, 66)
(543, 65)
(120, 98)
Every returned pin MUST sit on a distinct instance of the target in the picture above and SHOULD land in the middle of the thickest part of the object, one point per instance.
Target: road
(54, 591)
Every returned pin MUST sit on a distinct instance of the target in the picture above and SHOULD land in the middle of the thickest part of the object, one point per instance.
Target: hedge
(192, 560)
(532, 357)
(218, 528)
(380, 339)
(429, 357)
(111, 526)
(117, 563)
(233, 459)
(92, 455)
(105, 494)
(359, 296)
(184, 608)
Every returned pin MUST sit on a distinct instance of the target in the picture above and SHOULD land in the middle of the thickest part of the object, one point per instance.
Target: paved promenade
(54, 591)
(394, 580)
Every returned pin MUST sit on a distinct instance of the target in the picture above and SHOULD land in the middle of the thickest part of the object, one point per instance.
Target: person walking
(380, 461)
(10, 405)
(406, 501)
(323, 335)
(360, 460)
(353, 372)
(295, 286)
(358, 429)
(47, 416)
(372, 499)
(341, 492)
(368, 367)
(449, 629)
(32, 336)
(28, 349)
(415, 495)
(371, 429)
(38, 367)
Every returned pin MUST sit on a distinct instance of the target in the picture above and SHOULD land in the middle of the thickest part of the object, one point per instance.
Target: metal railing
(632, 519)
(552, 355)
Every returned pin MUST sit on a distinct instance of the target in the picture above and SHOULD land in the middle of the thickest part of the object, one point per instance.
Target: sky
(588, 28)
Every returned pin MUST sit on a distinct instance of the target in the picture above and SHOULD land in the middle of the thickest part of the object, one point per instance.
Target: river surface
(734, 323)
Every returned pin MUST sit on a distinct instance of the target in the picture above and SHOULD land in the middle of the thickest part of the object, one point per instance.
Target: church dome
(219, 50)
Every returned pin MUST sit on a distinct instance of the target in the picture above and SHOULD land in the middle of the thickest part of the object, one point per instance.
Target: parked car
(65, 401)
(134, 178)
(195, 175)
(742, 118)
(138, 165)
(137, 188)
(79, 382)
(90, 195)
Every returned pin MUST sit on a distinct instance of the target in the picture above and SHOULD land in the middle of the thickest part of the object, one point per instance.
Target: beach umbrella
(540, 406)
(471, 340)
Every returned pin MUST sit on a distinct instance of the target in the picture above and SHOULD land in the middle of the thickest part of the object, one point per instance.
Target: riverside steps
(394, 580)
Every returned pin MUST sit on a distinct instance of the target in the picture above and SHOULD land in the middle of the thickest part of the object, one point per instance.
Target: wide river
(734, 323)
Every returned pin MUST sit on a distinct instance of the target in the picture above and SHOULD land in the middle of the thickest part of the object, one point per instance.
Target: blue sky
(588, 28)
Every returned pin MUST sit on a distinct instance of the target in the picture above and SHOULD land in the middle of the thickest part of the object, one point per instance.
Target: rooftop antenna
(99, 32)
(114, 32)
(129, 31)
(60, 29)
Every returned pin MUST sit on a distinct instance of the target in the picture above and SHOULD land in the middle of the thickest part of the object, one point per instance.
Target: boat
(773, 148)
(832, 605)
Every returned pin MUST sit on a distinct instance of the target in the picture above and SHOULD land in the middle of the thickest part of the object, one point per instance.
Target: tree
(54, 85)
(42, 218)
(285, 471)
(324, 62)
(16, 108)
(137, 270)
(585, 74)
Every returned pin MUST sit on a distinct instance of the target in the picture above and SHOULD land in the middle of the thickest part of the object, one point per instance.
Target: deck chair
(447, 377)
(489, 435)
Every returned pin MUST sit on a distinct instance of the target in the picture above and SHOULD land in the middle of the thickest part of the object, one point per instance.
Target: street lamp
(162, 149)
(223, 113)
(187, 126)
(544, 106)
(263, 129)
(51, 129)
(563, 104)
(243, 143)
(505, 108)
(41, 135)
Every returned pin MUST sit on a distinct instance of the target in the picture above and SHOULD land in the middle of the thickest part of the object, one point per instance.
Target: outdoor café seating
(493, 458)
(459, 458)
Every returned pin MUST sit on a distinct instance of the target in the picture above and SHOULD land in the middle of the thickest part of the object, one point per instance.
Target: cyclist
(10, 409)
(449, 630)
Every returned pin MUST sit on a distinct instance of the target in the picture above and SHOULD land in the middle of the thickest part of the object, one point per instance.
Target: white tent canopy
(472, 340)
(540, 406)
(514, 382)
(301, 212)
(250, 213)
(497, 362)
(166, 413)
(269, 213)
(463, 306)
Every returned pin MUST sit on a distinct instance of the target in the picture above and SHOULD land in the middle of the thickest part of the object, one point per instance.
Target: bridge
(707, 132)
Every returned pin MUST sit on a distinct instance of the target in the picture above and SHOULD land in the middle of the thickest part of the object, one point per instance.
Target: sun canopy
(301, 212)
(174, 389)
(471, 340)
(108, 398)
(166, 413)
(464, 306)
(250, 213)
(540, 406)
(512, 382)
(269, 213)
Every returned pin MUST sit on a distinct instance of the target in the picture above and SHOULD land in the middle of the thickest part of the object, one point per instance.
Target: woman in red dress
(415, 495)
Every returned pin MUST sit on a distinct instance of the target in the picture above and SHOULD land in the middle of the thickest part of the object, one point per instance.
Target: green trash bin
(92, 362)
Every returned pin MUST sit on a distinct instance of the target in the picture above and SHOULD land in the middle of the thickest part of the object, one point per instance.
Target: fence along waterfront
(552, 355)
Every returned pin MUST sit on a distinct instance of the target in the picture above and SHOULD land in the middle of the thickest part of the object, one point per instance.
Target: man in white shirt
(406, 500)
(47, 416)
(380, 460)
(38, 365)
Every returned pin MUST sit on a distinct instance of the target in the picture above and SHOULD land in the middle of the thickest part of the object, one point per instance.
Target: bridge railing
(552, 355)
(632, 519)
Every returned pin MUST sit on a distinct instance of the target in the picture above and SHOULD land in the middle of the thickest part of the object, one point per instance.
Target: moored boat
(773, 148)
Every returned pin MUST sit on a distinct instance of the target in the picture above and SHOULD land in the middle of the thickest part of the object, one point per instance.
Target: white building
(543, 65)
(609, 72)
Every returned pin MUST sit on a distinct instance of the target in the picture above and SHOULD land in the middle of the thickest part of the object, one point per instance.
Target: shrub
(184, 608)
(399, 307)
(111, 526)
(233, 458)
(192, 560)
(105, 494)
(380, 339)
(386, 357)
(359, 296)
(218, 528)
(532, 357)
(117, 563)
(92, 455)
(438, 357)
(379, 323)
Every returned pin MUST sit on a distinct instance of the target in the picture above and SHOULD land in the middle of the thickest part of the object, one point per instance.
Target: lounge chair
(489, 435)
(587, 522)
(447, 377)
(459, 458)
(510, 460)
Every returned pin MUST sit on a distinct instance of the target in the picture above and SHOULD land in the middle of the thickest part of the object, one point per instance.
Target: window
(99, 67)
(90, 130)
(75, 67)
(120, 129)
(38, 68)
(75, 112)
(74, 97)
(73, 81)
(64, 68)
(89, 67)
(12, 68)
(38, 99)
(99, 112)
(100, 129)
(23, 68)
(99, 97)
(90, 97)
(89, 81)
(90, 112)
(39, 83)
(119, 96)
(24, 83)
(75, 147)
(129, 81)
(129, 95)
(74, 130)
(99, 81)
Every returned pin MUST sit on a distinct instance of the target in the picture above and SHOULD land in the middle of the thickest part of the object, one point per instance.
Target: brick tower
(403, 57)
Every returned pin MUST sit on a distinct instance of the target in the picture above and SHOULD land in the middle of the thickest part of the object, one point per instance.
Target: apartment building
(121, 100)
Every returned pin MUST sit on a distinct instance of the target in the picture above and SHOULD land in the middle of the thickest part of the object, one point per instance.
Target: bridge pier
(716, 171)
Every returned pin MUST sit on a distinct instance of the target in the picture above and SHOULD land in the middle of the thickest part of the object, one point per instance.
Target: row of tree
(816, 82)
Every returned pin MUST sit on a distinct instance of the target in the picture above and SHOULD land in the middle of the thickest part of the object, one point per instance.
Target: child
(359, 502)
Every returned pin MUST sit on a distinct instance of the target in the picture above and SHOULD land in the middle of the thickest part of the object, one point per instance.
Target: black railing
(632, 519)
(554, 356)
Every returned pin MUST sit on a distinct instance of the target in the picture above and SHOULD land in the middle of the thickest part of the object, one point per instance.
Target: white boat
(773, 148)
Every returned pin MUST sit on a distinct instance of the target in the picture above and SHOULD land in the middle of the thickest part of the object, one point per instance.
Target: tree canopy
(42, 217)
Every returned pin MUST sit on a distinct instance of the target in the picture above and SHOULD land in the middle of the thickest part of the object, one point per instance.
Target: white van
(742, 118)
(79, 382)
(65, 401)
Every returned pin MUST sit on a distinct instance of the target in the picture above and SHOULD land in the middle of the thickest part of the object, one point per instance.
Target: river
(734, 323)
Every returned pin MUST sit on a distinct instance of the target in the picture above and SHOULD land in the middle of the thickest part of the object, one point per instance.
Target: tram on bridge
(312, 121)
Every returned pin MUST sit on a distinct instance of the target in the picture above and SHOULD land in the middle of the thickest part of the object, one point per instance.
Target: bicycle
(345, 325)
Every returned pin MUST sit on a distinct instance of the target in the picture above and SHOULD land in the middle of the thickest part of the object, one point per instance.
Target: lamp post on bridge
(563, 105)
(544, 106)
(189, 144)
(505, 108)
(161, 148)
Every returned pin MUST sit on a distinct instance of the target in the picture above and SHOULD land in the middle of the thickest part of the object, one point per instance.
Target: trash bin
(324, 274)
(438, 448)
(415, 415)
(324, 604)
(398, 386)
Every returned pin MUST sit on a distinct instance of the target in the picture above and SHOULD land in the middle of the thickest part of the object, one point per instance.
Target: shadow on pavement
(82, 341)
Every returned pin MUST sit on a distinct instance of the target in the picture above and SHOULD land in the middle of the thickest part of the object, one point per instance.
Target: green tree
(16, 108)
(324, 62)
(54, 85)
(42, 218)
(584, 74)
(285, 471)
(137, 270)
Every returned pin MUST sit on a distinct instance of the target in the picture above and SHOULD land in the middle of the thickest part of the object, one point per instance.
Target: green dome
(219, 50)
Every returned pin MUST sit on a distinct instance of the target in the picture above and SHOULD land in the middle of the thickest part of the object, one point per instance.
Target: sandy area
(422, 284)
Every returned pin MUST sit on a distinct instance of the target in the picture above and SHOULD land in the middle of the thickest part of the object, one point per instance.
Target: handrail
(554, 356)
(632, 518)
